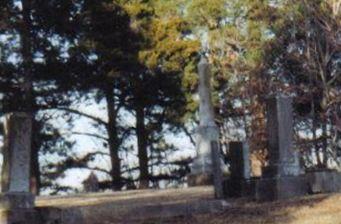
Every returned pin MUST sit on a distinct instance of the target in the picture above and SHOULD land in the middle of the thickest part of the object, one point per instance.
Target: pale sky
(85, 144)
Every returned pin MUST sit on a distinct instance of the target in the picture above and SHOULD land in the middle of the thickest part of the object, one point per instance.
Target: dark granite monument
(240, 160)
(235, 185)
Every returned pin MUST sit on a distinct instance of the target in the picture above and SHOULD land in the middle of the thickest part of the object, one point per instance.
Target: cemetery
(170, 111)
(282, 179)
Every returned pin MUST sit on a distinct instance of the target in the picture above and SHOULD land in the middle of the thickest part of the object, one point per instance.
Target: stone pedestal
(202, 166)
(18, 208)
(16, 201)
(20, 216)
(277, 188)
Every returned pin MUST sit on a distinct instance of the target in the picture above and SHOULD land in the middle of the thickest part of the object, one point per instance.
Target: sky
(85, 144)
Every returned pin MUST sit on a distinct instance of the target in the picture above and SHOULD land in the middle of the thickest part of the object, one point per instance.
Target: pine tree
(157, 98)
(106, 46)
(32, 47)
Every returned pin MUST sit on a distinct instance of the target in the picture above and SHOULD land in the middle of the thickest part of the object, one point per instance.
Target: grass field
(319, 209)
(118, 207)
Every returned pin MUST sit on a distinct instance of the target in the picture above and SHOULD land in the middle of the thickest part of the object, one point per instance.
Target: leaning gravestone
(206, 168)
(16, 201)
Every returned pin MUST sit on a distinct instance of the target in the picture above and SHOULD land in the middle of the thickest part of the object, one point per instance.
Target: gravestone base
(14, 200)
(266, 189)
(18, 208)
(20, 216)
(201, 179)
(323, 182)
(278, 188)
(240, 188)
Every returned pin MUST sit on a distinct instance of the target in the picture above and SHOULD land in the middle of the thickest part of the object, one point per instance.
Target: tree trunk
(27, 88)
(142, 147)
(113, 140)
(27, 57)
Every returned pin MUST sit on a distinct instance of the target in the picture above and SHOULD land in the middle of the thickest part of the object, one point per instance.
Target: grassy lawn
(105, 208)
(320, 209)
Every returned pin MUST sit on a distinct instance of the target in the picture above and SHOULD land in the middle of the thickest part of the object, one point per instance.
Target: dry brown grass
(321, 209)
(318, 209)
